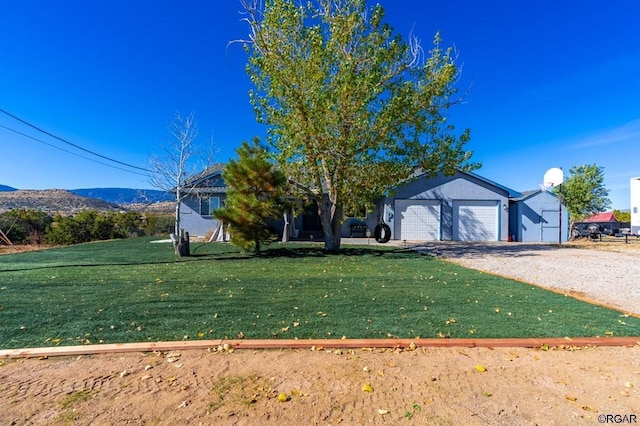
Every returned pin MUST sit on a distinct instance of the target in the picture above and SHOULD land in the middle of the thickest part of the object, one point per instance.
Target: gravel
(605, 277)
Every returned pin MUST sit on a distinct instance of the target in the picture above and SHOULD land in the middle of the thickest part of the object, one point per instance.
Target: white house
(635, 205)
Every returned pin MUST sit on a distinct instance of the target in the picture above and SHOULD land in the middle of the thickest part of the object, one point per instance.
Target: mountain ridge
(52, 200)
(72, 201)
(124, 195)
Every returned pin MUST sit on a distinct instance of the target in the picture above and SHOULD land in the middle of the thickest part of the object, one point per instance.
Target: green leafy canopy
(583, 192)
(352, 108)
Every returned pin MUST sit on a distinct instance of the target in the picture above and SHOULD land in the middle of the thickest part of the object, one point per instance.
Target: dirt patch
(425, 386)
(5, 249)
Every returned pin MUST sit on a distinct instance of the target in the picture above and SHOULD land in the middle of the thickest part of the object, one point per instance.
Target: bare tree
(175, 171)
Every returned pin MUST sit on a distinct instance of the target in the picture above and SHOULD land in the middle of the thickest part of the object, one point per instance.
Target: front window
(208, 205)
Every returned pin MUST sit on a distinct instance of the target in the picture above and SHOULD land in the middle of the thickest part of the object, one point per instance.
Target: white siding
(635, 205)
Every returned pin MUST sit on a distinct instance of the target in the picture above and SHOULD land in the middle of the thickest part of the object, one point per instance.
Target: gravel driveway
(607, 277)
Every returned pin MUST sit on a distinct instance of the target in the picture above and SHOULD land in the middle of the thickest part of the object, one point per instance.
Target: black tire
(382, 233)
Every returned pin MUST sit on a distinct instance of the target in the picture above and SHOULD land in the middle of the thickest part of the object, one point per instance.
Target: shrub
(158, 224)
(25, 226)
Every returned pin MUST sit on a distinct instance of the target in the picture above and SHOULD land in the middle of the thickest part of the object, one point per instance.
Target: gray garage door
(419, 219)
(475, 220)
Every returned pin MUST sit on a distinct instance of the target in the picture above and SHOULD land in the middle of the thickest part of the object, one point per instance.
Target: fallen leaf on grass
(367, 387)
(480, 368)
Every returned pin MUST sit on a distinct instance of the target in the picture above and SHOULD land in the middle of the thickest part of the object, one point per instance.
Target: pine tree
(255, 194)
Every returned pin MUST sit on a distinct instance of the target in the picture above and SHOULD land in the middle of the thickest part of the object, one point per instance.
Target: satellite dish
(553, 177)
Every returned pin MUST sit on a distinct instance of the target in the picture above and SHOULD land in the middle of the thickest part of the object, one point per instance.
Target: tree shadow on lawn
(460, 249)
(272, 253)
(192, 258)
(305, 252)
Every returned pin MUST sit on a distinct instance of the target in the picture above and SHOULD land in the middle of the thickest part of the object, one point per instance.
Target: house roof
(510, 192)
(528, 194)
(213, 170)
(602, 217)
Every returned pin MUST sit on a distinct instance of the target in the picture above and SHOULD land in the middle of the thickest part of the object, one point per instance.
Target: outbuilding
(538, 216)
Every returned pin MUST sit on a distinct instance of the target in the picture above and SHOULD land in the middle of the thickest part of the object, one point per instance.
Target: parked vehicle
(581, 229)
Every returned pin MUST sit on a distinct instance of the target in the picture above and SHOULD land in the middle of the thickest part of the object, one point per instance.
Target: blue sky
(551, 84)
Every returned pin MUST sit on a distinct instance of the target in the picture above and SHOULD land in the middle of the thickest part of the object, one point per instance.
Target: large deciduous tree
(583, 192)
(255, 194)
(352, 108)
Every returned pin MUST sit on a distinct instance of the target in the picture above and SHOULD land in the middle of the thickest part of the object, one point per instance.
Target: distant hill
(124, 195)
(52, 200)
(5, 188)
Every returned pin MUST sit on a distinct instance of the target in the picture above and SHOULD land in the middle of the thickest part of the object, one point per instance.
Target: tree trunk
(181, 244)
(184, 248)
(176, 228)
(331, 220)
(572, 223)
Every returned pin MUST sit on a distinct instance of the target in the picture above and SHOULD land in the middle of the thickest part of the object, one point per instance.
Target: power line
(72, 144)
(69, 152)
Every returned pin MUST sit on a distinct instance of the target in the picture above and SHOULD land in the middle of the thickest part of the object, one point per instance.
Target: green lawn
(132, 291)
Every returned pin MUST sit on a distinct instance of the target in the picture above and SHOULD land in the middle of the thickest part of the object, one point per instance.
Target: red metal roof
(602, 217)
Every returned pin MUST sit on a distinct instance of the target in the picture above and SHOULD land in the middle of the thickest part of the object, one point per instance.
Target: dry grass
(4, 249)
(615, 244)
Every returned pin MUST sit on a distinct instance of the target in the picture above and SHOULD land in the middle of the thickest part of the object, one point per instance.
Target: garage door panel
(475, 220)
(419, 220)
